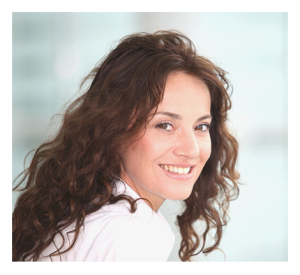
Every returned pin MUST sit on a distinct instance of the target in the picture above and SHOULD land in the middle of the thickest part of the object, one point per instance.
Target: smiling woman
(151, 126)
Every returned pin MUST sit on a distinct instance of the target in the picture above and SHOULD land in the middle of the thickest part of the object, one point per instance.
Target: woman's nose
(187, 145)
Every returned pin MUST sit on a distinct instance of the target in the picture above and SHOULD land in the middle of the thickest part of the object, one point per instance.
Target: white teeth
(176, 170)
(186, 170)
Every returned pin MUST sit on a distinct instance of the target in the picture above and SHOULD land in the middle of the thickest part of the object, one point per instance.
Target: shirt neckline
(124, 188)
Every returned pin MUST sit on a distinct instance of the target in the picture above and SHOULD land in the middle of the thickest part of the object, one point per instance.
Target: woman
(151, 126)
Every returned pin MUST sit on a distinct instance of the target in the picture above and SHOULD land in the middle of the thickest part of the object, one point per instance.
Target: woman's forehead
(183, 91)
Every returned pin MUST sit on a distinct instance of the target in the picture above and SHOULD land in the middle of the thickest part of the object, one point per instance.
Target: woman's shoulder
(116, 234)
(115, 220)
(113, 233)
(121, 210)
(100, 231)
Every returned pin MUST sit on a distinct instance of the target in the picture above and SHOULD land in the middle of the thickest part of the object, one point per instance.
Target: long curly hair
(73, 174)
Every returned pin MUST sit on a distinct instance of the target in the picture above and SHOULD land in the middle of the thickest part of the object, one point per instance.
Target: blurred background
(52, 52)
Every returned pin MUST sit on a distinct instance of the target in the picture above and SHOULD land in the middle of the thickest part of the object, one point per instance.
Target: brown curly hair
(73, 174)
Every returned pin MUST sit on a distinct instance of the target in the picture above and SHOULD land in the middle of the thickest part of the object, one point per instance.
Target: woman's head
(129, 85)
(121, 127)
(167, 158)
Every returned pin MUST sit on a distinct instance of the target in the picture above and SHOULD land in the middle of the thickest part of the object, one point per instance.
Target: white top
(114, 234)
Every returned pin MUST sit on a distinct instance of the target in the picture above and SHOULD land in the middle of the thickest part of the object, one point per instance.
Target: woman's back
(114, 234)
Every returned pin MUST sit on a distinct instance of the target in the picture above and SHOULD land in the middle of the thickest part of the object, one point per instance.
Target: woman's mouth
(176, 169)
(182, 171)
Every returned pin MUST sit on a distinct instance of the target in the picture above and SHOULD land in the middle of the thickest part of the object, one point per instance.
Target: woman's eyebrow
(170, 114)
(176, 116)
(204, 117)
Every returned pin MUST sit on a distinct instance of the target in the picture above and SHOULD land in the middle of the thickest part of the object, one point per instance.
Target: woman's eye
(164, 126)
(202, 127)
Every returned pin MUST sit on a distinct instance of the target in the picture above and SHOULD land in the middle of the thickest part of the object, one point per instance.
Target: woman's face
(167, 160)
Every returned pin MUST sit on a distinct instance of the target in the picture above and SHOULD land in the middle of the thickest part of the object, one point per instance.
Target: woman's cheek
(205, 148)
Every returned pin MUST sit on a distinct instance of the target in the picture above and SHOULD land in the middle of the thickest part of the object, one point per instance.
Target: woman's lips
(180, 176)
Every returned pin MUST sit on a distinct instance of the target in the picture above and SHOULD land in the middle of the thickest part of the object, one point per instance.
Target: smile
(176, 170)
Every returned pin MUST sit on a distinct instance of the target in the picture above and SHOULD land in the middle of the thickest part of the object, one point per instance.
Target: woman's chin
(180, 196)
